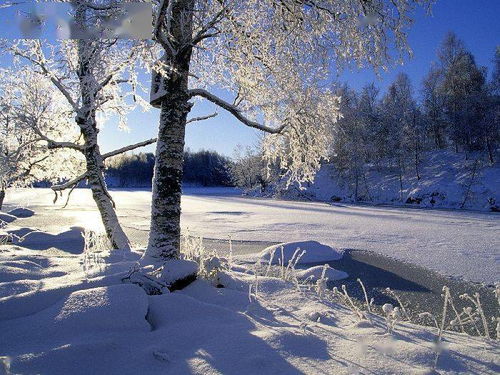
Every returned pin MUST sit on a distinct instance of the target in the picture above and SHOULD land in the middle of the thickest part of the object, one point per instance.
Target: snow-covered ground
(63, 311)
(71, 324)
(457, 243)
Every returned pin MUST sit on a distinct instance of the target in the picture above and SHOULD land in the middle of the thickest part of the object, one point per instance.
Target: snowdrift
(313, 274)
(315, 252)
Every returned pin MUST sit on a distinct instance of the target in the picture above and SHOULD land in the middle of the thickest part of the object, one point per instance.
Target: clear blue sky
(475, 21)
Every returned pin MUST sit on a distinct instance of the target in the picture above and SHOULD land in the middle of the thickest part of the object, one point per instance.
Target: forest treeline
(457, 106)
(204, 168)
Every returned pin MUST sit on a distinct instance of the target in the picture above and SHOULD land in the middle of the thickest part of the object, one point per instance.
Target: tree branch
(202, 118)
(55, 80)
(69, 183)
(236, 112)
(128, 148)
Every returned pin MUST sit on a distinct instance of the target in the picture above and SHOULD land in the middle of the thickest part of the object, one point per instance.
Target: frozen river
(456, 243)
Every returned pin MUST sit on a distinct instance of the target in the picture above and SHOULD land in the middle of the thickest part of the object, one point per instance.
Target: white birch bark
(86, 119)
(165, 232)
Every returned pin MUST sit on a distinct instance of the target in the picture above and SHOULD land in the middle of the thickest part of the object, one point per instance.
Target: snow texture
(176, 269)
(315, 252)
(21, 212)
(445, 180)
(64, 310)
(462, 244)
(314, 273)
(118, 329)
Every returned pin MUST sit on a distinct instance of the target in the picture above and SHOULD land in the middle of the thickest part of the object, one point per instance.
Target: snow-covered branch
(202, 118)
(40, 62)
(70, 183)
(128, 148)
(235, 111)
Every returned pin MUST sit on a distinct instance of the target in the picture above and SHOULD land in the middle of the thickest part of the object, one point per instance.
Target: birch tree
(97, 79)
(271, 57)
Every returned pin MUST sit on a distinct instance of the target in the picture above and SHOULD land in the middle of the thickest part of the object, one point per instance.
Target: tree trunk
(165, 232)
(356, 184)
(367, 188)
(469, 187)
(2, 197)
(400, 180)
(103, 200)
(488, 147)
(86, 120)
(417, 160)
(417, 146)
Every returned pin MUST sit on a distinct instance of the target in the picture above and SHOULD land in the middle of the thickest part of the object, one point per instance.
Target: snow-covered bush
(209, 262)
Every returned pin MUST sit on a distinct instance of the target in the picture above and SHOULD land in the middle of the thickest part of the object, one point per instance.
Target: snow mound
(97, 310)
(110, 308)
(178, 269)
(314, 273)
(315, 253)
(21, 212)
(10, 271)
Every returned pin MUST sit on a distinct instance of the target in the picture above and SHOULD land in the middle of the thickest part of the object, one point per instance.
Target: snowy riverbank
(62, 320)
(457, 243)
(61, 305)
(447, 180)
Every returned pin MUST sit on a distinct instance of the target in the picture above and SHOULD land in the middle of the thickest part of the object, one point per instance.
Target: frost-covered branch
(235, 111)
(128, 148)
(202, 118)
(10, 3)
(70, 183)
(41, 63)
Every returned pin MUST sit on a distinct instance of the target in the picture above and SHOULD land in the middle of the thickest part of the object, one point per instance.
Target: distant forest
(204, 168)
(456, 106)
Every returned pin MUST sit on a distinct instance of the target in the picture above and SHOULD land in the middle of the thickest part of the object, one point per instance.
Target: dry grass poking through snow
(264, 320)
(450, 319)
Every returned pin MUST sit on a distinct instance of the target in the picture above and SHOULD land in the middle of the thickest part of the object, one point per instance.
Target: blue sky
(474, 21)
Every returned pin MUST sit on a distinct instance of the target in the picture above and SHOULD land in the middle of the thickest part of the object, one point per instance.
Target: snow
(315, 252)
(177, 269)
(6, 218)
(65, 309)
(445, 177)
(462, 244)
(118, 329)
(21, 212)
(314, 273)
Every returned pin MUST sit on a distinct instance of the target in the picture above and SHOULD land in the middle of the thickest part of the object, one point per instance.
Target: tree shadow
(70, 241)
(229, 340)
